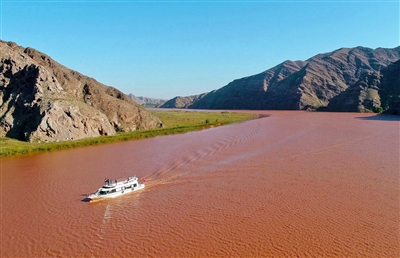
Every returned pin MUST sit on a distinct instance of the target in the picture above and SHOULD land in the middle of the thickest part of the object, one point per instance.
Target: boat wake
(103, 229)
(199, 154)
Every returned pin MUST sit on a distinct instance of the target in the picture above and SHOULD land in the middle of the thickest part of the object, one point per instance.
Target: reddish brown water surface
(294, 184)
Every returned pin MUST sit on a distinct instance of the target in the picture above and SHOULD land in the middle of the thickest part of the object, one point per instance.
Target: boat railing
(114, 182)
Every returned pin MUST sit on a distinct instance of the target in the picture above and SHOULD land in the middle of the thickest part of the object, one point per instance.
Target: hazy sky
(164, 49)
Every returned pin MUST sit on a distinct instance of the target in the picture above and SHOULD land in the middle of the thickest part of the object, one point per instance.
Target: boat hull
(114, 189)
(116, 194)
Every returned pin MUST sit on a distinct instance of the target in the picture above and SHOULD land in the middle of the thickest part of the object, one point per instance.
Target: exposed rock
(389, 89)
(374, 92)
(43, 100)
(362, 96)
(299, 85)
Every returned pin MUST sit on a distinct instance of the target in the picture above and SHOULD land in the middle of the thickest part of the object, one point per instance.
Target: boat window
(134, 185)
(113, 190)
(103, 192)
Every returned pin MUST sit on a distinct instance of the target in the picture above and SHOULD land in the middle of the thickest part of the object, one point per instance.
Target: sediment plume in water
(291, 184)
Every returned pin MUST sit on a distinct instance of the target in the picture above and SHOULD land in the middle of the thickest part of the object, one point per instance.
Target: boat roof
(112, 183)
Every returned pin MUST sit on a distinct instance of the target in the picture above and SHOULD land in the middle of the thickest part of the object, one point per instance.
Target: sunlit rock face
(41, 100)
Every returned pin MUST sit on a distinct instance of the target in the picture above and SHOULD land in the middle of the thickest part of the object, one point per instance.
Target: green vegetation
(174, 122)
(379, 110)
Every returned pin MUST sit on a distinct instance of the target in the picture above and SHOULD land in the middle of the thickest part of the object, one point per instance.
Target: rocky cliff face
(389, 89)
(41, 100)
(374, 92)
(299, 85)
(362, 96)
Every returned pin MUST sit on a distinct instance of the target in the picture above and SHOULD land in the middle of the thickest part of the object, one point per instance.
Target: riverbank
(174, 122)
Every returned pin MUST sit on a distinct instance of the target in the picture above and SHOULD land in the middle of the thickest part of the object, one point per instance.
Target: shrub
(379, 110)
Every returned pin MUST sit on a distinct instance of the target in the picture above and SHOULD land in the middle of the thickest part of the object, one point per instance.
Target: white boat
(113, 188)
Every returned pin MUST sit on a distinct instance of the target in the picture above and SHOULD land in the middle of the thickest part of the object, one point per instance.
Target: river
(290, 184)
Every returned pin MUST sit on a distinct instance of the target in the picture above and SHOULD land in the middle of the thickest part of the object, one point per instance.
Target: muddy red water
(294, 184)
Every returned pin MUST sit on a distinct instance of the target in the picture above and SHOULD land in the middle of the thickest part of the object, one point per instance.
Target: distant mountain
(296, 85)
(182, 102)
(147, 102)
(42, 100)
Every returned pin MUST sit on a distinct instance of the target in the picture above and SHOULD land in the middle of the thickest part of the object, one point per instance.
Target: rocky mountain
(389, 89)
(362, 96)
(296, 85)
(42, 100)
(147, 102)
(376, 91)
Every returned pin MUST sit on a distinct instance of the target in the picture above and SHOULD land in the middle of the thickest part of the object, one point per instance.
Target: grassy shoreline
(175, 122)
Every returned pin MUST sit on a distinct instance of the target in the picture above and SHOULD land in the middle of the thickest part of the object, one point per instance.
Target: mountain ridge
(296, 85)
